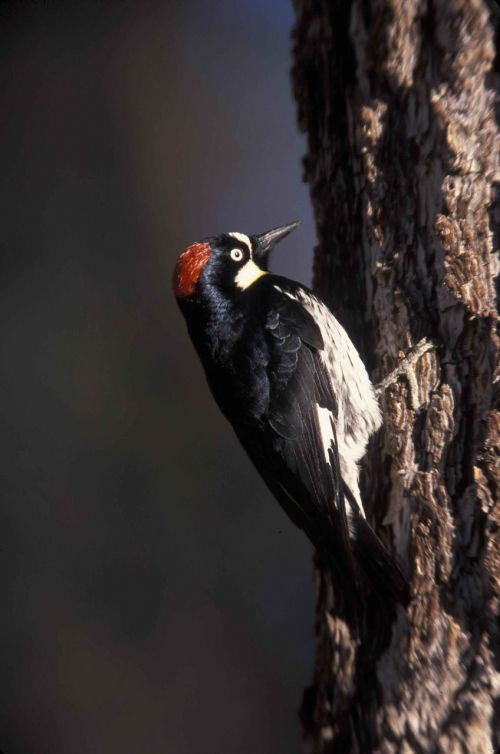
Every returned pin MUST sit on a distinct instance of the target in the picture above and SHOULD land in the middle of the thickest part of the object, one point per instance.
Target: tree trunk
(397, 100)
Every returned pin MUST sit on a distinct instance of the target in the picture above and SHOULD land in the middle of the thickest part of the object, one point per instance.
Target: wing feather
(302, 415)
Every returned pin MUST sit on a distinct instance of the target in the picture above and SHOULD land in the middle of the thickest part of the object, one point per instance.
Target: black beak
(265, 242)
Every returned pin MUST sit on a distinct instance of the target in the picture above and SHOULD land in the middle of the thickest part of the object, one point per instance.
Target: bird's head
(231, 261)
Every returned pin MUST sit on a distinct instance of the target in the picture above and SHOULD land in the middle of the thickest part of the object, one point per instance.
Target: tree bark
(397, 98)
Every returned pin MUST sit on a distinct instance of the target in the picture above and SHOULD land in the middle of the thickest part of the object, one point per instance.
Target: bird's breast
(237, 376)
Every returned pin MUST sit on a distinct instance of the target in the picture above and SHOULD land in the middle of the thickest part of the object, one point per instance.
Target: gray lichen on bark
(397, 99)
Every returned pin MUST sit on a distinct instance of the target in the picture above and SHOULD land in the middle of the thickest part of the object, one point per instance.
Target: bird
(288, 378)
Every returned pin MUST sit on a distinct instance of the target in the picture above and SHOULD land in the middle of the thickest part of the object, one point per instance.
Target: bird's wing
(302, 415)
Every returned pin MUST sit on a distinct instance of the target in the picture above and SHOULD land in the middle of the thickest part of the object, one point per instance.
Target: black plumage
(262, 352)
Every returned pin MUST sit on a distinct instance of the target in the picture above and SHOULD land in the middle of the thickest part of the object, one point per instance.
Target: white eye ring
(236, 255)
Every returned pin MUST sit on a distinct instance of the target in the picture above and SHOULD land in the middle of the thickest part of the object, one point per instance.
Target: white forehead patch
(248, 274)
(242, 238)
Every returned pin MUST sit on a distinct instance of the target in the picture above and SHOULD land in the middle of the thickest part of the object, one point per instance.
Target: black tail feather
(379, 567)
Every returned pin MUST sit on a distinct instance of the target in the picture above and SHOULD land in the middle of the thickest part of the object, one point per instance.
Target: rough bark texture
(397, 98)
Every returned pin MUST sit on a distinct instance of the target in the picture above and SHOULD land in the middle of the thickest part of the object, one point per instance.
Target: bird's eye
(236, 255)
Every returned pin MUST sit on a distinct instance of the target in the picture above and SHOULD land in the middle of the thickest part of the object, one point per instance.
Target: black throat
(216, 320)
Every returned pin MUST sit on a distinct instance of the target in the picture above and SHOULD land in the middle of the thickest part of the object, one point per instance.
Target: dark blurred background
(154, 596)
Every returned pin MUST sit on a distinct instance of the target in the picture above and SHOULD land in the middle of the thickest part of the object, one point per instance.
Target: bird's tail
(379, 567)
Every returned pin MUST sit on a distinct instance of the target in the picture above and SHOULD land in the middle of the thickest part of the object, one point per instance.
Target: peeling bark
(397, 98)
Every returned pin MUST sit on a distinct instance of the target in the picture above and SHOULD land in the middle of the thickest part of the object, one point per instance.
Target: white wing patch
(358, 410)
(242, 238)
(248, 274)
(325, 419)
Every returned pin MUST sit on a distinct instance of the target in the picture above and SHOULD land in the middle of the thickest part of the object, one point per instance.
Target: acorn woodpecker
(288, 378)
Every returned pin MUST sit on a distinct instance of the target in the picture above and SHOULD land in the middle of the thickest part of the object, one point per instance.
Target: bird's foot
(407, 368)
